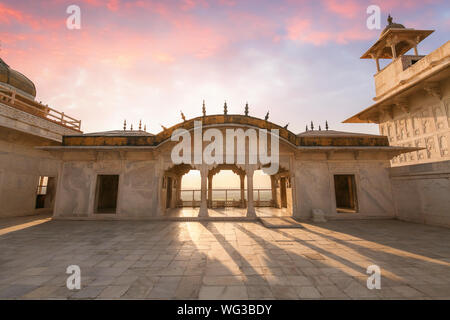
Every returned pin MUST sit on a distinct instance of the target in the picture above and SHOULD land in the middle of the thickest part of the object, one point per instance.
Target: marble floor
(222, 260)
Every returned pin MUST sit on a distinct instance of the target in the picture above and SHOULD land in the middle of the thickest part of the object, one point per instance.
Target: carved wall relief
(443, 145)
(402, 129)
(425, 122)
(402, 157)
(439, 117)
(416, 124)
(390, 132)
(408, 127)
(420, 154)
(398, 130)
(411, 155)
(447, 110)
(431, 148)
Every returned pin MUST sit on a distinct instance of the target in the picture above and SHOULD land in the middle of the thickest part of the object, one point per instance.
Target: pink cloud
(346, 8)
(113, 5)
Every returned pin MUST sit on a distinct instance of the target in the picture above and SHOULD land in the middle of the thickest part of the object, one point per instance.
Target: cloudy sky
(150, 59)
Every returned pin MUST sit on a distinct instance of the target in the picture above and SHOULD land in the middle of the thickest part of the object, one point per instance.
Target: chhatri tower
(412, 95)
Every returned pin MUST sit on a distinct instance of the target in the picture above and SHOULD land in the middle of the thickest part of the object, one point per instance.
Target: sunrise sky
(150, 59)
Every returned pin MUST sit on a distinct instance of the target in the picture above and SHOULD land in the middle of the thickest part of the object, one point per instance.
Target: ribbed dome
(15, 79)
(391, 25)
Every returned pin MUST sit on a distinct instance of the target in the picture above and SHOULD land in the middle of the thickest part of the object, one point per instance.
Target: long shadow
(389, 241)
(232, 252)
(310, 246)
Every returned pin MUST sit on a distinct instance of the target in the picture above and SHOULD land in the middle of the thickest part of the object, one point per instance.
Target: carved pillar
(250, 205)
(242, 177)
(203, 212)
(178, 196)
(273, 185)
(210, 177)
(394, 52)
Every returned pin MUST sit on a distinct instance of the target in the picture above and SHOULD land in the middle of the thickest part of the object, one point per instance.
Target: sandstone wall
(422, 193)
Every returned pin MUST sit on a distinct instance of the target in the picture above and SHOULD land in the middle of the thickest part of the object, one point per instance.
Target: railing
(225, 198)
(16, 100)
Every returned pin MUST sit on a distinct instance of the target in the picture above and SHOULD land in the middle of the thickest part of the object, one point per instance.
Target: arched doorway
(171, 186)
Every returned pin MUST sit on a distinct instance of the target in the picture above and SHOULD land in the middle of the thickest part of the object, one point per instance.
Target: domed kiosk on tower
(13, 79)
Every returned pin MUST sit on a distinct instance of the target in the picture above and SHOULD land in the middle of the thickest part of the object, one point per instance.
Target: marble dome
(16, 80)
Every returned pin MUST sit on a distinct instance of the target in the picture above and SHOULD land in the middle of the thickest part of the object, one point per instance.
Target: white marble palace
(47, 164)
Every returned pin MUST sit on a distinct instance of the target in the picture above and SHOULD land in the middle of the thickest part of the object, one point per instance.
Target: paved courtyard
(222, 260)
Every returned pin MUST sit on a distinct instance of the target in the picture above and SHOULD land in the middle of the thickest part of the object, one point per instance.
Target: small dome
(15, 79)
(391, 25)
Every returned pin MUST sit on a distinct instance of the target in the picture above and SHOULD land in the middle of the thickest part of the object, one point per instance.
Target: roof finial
(306, 127)
(326, 125)
(140, 125)
(267, 116)
(164, 128)
(246, 109)
(225, 108)
(312, 125)
(182, 116)
(389, 19)
(131, 128)
(124, 124)
(145, 127)
(204, 109)
(286, 126)
(320, 129)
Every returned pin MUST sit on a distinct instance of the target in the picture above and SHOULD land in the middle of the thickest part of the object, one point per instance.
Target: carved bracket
(433, 89)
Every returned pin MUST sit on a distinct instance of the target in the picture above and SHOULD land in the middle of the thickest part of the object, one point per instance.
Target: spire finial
(312, 125)
(124, 124)
(145, 127)
(320, 129)
(326, 125)
(306, 127)
(131, 128)
(267, 116)
(389, 19)
(140, 125)
(225, 108)
(204, 109)
(246, 109)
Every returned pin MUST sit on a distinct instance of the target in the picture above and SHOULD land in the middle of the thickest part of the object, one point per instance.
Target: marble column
(210, 177)
(242, 177)
(178, 200)
(203, 212)
(273, 185)
(250, 205)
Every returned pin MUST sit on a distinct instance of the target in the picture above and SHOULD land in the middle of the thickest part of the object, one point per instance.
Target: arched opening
(262, 189)
(190, 189)
(171, 191)
(281, 187)
(225, 190)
